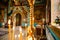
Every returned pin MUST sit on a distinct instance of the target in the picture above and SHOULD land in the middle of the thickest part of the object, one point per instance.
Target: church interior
(29, 19)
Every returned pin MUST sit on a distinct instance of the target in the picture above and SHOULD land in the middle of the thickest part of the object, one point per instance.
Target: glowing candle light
(33, 18)
(24, 20)
(43, 20)
(20, 29)
(19, 35)
(25, 24)
(9, 22)
(15, 36)
(30, 38)
(13, 33)
(3, 24)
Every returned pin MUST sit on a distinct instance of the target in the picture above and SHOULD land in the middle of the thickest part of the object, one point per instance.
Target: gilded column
(30, 28)
(31, 3)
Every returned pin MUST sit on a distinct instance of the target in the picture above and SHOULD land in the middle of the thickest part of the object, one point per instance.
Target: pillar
(31, 3)
(30, 28)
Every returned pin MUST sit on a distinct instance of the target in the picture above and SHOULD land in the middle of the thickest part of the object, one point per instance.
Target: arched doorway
(18, 19)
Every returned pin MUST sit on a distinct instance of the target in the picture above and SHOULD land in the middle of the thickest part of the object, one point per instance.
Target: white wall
(54, 10)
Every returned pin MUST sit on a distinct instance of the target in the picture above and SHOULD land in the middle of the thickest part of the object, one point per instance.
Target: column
(31, 3)
(31, 15)
(31, 29)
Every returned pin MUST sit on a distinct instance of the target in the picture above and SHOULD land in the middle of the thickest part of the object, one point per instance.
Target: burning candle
(33, 18)
(20, 29)
(9, 22)
(29, 38)
(13, 33)
(43, 20)
(25, 24)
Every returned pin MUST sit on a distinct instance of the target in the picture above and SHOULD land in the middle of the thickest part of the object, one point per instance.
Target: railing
(53, 34)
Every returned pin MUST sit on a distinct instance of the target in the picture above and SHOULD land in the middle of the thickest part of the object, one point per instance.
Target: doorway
(18, 19)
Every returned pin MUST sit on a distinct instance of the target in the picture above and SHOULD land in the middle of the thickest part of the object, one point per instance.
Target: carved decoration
(31, 2)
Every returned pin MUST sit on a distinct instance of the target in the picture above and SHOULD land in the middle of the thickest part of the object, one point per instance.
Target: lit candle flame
(15, 36)
(9, 21)
(33, 18)
(19, 35)
(29, 38)
(25, 24)
(13, 28)
(20, 29)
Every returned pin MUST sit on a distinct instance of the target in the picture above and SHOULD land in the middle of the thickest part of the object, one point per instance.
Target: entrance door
(18, 19)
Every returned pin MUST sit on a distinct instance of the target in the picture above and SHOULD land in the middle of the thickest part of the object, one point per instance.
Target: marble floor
(24, 35)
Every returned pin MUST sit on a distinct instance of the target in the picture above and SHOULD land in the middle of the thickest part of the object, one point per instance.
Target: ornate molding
(31, 2)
